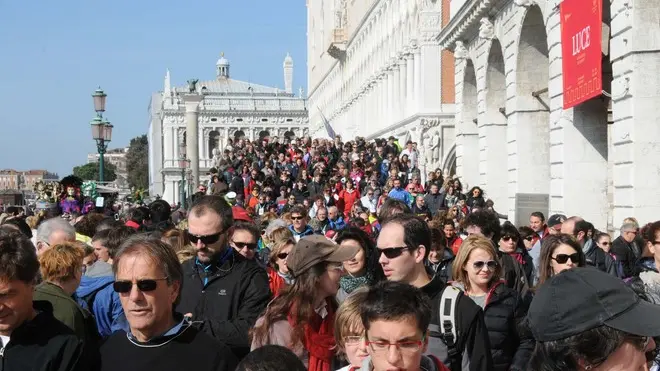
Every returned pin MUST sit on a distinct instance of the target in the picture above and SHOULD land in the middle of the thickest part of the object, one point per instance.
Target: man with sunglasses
(599, 324)
(299, 226)
(244, 238)
(221, 288)
(404, 243)
(148, 279)
(396, 318)
(594, 256)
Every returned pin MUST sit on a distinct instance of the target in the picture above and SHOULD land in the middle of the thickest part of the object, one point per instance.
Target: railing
(248, 104)
(174, 164)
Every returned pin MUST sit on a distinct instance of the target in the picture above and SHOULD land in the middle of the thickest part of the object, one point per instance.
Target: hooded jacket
(298, 235)
(106, 307)
(444, 266)
(504, 312)
(46, 344)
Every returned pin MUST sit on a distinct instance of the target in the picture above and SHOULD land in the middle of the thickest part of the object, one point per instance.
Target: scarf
(319, 339)
(518, 257)
(349, 283)
(275, 281)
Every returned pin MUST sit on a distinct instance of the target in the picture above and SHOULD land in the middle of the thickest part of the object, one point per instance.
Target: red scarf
(319, 339)
(518, 256)
(275, 281)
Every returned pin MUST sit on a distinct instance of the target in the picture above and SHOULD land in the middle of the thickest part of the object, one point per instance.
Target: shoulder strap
(448, 328)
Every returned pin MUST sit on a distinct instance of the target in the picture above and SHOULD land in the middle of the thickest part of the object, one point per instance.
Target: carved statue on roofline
(192, 85)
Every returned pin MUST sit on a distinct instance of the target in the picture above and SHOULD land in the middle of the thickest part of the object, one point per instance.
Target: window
(214, 119)
(289, 120)
(264, 120)
(239, 120)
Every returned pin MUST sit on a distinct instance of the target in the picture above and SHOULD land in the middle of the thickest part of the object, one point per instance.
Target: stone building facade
(600, 159)
(195, 121)
(117, 157)
(376, 69)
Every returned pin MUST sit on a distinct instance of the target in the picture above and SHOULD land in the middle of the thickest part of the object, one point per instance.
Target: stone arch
(493, 128)
(213, 142)
(239, 134)
(529, 124)
(263, 135)
(467, 140)
(289, 134)
(449, 163)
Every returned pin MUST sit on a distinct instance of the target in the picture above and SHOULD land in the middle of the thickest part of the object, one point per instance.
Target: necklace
(188, 325)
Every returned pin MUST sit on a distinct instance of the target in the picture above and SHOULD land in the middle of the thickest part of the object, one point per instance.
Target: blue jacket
(337, 225)
(307, 232)
(106, 308)
(400, 194)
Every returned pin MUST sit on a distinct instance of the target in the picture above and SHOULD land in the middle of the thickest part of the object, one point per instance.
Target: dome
(222, 61)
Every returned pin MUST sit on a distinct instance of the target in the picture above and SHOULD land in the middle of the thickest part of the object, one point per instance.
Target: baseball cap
(311, 250)
(555, 221)
(581, 299)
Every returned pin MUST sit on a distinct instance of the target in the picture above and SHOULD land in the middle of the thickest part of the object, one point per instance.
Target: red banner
(581, 50)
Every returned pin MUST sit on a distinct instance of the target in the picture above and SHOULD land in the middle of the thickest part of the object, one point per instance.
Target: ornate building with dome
(218, 109)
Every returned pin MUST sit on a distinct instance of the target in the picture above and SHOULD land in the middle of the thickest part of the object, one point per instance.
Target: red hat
(239, 213)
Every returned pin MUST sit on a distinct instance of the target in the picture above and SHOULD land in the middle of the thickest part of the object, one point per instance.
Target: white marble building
(376, 68)
(600, 159)
(209, 113)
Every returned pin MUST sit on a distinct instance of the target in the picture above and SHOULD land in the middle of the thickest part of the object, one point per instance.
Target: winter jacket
(46, 344)
(298, 235)
(434, 202)
(419, 211)
(503, 313)
(401, 195)
(237, 185)
(67, 311)
(315, 189)
(444, 266)
(226, 296)
(337, 225)
(514, 274)
(625, 254)
(105, 305)
(349, 198)
(596, 257)
(472, 342)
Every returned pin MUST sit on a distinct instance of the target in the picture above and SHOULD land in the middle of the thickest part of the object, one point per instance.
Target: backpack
(448, 329)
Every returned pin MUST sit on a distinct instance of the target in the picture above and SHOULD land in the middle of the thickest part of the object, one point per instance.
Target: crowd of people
(322, 255)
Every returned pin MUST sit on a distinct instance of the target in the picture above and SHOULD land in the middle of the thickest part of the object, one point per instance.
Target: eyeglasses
(282, 255)
(392, 252)
(402, 346)
(297, 218)
(509, 238)
(242, 245)
(353, 340)
(479, 265)
(207, 239)
(529, 238)
(605, 243)
(563, 258)
(146, 285)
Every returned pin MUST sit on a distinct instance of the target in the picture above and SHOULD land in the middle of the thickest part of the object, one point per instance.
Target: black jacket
(434, 202)
(472, 341)
(444, 266)
(504, 313)
(315, 189)
(229, 304)
(598, 258)
(514, 274)
(46, 344)
(237, 185)
(625, 254)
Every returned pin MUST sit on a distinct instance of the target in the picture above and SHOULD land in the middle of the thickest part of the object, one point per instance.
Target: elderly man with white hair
(52, 232)
(625, 249)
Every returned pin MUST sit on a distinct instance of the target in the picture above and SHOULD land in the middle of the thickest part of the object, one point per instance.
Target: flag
(328, 127)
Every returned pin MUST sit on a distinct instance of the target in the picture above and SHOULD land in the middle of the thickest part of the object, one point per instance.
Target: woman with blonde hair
(179, 242)
(349, 331)
(61, 268)
(477, 272)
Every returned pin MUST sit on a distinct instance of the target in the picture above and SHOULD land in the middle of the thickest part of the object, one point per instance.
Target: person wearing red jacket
(349, 195)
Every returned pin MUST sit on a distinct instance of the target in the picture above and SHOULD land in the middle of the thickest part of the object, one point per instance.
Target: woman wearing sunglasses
(477, 272)
(278, 272)
(558, 253)
(302, 317)
(513, 244)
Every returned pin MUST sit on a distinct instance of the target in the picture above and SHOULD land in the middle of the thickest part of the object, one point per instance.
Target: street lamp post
(183, 164)
(101, 128)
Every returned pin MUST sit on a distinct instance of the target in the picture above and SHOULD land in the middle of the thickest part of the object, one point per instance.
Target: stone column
(410, 87)
(431, 89)
(417, 96)
(390, 95)
(396, 93)
(168, 143)
(402, 98)
(191, 102)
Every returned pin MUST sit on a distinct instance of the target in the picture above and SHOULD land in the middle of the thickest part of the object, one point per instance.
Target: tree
(137, 162)
(91, 171)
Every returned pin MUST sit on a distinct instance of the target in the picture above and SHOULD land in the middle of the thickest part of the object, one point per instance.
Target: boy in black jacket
(403, 245)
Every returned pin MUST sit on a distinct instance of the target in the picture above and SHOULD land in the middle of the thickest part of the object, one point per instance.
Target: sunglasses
(529, 238)
(605, 243)
(563, 258)
(282, 255)
(479, 265)
(242, 245)
(147, 285)
(297, 218)
(392, 252)
(206, 240)
(509, 238)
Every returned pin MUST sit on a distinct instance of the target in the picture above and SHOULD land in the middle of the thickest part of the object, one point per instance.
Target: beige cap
(311, 250)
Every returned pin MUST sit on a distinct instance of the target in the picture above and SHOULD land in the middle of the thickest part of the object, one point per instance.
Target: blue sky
(53, 55)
